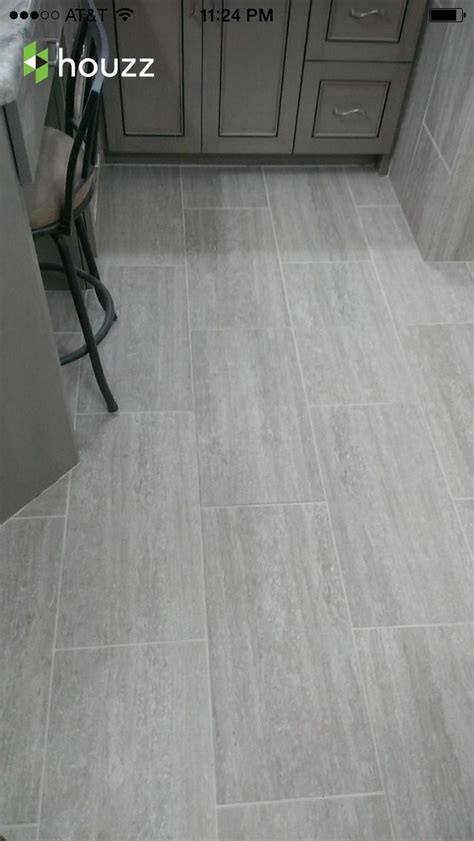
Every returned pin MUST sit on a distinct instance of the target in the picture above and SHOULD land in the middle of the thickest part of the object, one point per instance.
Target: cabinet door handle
(337, 111)
(369, 13)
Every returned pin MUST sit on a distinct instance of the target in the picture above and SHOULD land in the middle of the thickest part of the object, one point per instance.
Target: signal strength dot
(124, 14)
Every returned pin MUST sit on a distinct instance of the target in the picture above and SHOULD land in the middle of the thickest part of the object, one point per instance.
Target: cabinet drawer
(364, 30)
(348, 108)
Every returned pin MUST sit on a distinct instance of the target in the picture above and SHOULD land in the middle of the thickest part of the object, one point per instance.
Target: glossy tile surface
(254, 433)
(344, 819)
(314, 216)
(347, 344)
(132, 728)
(238, 186)
(419, 685)
(370, 188)
(132, 569)
(286, 725)
(233, 270)
(394, 523)
(418, 293)
(146, 354)
(30, 554)
(140, 216)
(442, 358)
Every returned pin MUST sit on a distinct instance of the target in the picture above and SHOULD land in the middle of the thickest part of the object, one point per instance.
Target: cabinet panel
(349, 108)
(364, 30)
(252, 74)
(160, 114)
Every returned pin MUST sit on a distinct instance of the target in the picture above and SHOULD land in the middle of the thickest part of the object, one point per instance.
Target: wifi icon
(124, 14)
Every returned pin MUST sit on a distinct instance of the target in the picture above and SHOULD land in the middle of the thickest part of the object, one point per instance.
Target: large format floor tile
(348, 348)
(404, 558)
(314, 215)
(30, 553)
(419, 685)
(289, 716)
(255, 441)
(369, 188)
(236, 186)
(140, 216)
(129, 751)
(234, 275)
(132, 569)
(146, 354)
(343, 819)
(418, 292)
(442, 360)
(466, 512)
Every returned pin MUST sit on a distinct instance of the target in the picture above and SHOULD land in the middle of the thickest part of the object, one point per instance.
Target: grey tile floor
(247, 614)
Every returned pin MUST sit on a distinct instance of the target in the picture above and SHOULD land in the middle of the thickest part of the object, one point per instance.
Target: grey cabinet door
(160, 114)
(251, 76)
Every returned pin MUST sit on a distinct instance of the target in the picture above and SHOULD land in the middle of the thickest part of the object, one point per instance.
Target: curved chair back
(83, 106)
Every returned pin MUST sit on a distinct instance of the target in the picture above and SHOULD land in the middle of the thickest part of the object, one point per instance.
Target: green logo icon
(35, 62)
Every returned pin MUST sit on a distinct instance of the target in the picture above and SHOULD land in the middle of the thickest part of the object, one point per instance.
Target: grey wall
(432, 167)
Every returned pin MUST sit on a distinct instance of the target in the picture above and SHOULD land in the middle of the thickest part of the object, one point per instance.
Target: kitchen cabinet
(251, 77)
(285, 77)
(160, 114)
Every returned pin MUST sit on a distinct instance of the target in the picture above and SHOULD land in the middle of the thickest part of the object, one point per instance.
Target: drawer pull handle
(339, 113)
(370, 13)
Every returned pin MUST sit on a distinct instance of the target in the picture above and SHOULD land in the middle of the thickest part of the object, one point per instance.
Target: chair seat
(45, 197)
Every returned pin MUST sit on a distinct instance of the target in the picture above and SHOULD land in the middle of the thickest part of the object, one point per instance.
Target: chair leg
(90, 260)
(83, 316)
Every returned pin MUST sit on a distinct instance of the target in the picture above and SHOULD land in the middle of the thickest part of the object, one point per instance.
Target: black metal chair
(64, 186)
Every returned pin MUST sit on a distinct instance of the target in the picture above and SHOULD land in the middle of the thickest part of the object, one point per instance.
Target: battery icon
(447, 15)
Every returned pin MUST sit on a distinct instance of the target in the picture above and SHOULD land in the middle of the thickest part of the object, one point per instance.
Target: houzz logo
(35, 62)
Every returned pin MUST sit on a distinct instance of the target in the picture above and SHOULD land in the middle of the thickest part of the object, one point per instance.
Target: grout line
(6, 826)
(436, 147)
(320, 262)
(353, 405)
(262, 504)
(216, 209)
(102, 647)
(440, 324)
(212, 746)
(412, 382)
(252, 329)
(36, 517)
(309, 799)
(53, 658)
(331, 528)
(412, 627)
(146, 412)
(386, 204)
(463, 499)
